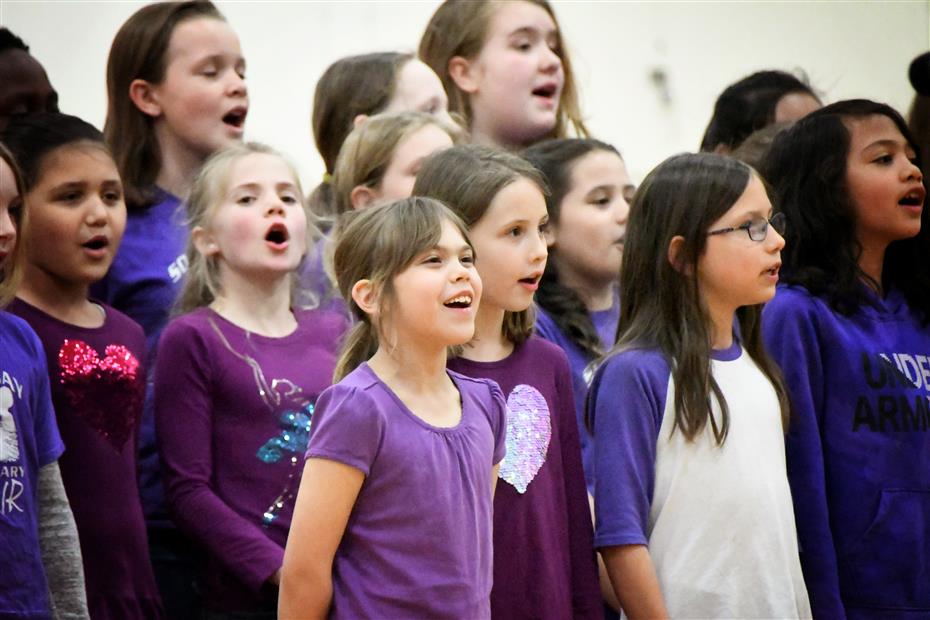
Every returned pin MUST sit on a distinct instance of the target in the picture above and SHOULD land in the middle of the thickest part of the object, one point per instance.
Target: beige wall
(849, 49)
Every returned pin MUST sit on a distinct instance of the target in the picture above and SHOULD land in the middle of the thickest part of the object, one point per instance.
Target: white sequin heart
(529, 430)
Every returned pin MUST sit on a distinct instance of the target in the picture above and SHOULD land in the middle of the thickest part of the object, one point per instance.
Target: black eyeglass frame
(777, 221)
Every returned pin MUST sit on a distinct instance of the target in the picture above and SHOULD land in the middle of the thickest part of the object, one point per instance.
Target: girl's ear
(675, 248)
(359, 120)
(464, 74)
(549, 234)
(362, 196)
(204, 241)
(142, 94)
(365, 297)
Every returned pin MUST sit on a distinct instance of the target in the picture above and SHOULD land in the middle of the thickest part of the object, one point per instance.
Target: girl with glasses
(692, 504)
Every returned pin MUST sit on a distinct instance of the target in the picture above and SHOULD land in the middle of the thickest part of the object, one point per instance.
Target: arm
(634, 580)
(789, 329)
(586, 596)
(61, 552)
(327, 494)
(184, 385)
(494, 472)
(627, 402)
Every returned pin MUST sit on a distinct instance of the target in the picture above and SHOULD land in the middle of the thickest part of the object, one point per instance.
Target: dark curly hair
(806, 168)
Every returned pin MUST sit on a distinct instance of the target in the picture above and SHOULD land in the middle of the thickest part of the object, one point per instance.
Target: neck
(871, 262)
(721, 335)
(486, 137)
(66, 301)
(262, 306)
(596, 294)
(489, 343)
(179, 165)
(407, 369)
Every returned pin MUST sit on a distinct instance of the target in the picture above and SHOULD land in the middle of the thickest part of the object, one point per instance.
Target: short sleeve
(499, 422)
(48, 440)
(348, 427)
(627, 402)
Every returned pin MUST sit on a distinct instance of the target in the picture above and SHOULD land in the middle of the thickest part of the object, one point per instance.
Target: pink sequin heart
(106, 393)
(529, 430)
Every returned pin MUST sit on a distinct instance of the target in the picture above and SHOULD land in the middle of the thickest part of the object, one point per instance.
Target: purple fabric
(605, 322)
(858, 451)
(143, 282)
(418, 542)
(98, 401)
(232, 410)
(29, 440)
(314, 284)
(552, 514)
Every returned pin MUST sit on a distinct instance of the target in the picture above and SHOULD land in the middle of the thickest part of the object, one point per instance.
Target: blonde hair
(202, 283)
(377, 244)
(467, 177)
(367, 152)
(11, 270)
(460, 28)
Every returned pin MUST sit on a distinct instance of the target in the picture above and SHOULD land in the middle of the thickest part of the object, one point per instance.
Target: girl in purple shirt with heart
(544, 565)
(94, 352)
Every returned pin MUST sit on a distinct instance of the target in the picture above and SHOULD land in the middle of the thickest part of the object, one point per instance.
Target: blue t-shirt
(29, 440)
(143, 282)
(858, 451)
(605, 322)
(717, 520)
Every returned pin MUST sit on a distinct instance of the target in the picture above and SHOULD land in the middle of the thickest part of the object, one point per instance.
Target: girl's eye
(112, 197)
(515, 232)
(467, 259)
(883, 159)
(72, 196)
(289, 199)
(245, 200)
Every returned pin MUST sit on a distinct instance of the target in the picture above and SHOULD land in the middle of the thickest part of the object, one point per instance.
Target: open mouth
(773, 271)
(914, 198)
(277, 234)
(547, 91)
(460, 301)
(532, 281)
(236, 117)
(96, 243)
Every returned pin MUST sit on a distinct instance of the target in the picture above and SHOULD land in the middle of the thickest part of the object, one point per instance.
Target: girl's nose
(550, 61)
(7, 227)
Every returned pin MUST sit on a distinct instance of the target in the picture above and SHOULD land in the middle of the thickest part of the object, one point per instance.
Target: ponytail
(360, 344)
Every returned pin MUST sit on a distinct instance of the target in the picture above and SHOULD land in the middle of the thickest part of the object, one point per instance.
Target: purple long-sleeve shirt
(233, 412)
(544, 563)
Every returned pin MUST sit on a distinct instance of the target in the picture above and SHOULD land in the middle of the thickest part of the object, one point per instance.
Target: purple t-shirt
(544, 562)
(143, 282)
(233, 411)
(97, 380)
(858, 450)
(605, 322)
(29, 440)
(314, 284)
(418, 541)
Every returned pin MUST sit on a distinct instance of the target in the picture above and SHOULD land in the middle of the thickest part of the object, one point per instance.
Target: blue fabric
(858, 451)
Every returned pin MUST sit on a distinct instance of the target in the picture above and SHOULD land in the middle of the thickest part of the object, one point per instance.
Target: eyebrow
(258, 186)
(887, 142)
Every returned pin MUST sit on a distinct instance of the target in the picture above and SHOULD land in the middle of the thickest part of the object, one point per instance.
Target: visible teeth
(462, 299)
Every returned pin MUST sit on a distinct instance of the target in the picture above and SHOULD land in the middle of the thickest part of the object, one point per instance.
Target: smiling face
(76, 216)
(515, 82)
(587, 240)
(436, 298)
(884, 184)
(418, 89)
(510, 246)
(734, 270)
(259, 227)
(201, 104)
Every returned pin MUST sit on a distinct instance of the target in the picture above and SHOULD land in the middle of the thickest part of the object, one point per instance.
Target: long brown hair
(466, 178)
(661, 304)
(354, 85)
(460, 28)
(376, 244)
(139, 51)
(11, 270)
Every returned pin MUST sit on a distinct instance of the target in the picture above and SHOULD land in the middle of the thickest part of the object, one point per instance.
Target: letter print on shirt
(9, 438)
(529, 430)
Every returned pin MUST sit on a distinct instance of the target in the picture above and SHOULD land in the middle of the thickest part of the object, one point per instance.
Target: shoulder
(542, 353)
(194, 325)
(643, 371)
(17, 331)
(122, 322)
(475, 385)
(325, 325)
(360, 400)
(793, 299)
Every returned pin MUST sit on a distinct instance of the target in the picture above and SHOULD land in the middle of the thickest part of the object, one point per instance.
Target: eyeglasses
(758, 228)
